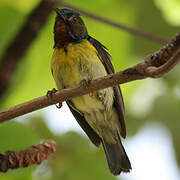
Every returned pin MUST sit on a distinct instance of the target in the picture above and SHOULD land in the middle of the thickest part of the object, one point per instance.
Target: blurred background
(152, 106)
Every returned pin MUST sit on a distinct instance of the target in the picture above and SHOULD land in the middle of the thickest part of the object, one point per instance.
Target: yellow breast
(68, 62)
(74, 52)
(75, 63)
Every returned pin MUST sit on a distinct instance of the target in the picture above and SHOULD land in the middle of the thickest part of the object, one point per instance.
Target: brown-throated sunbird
(78, 57)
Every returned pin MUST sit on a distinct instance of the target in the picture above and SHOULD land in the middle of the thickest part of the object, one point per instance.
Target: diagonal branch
(155, 65)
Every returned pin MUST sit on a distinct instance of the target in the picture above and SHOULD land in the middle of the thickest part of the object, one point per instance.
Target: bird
(79, 58)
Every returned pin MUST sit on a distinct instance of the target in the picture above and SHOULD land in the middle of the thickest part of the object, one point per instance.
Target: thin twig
(32, 155)
(168, 55)
(132, 30)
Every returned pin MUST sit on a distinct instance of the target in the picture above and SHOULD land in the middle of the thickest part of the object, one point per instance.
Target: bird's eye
(75, 20)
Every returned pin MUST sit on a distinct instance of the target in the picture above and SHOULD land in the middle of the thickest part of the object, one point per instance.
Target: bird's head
(69, 27)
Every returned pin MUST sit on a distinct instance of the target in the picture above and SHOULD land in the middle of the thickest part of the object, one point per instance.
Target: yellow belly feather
(79, 61)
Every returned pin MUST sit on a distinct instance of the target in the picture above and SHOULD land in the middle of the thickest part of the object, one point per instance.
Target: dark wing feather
(118, 100)
(95, 139)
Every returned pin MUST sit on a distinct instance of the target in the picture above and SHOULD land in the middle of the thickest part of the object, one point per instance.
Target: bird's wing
(95, 139)
(118, 100)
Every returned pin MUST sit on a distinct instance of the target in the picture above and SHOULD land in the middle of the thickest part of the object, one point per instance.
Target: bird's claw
(50, 93)
(85, 82)
(59, 105)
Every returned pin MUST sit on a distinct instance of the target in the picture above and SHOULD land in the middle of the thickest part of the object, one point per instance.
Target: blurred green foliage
(76, 158)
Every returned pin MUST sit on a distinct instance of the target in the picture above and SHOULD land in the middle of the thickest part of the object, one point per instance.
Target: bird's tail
(116, 157)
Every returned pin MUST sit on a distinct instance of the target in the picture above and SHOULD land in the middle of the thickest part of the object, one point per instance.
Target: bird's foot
(50, 95)
(85, 82)
(59, 105)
